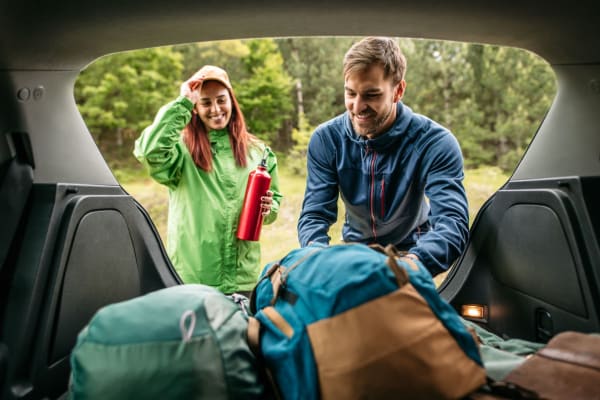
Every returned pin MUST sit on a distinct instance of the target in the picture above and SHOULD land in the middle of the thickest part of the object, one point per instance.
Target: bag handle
(393, 254)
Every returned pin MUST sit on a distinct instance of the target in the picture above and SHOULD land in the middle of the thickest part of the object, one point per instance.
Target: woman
(206, 170)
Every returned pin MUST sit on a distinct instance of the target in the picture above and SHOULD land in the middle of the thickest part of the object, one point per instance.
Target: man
(399, 173)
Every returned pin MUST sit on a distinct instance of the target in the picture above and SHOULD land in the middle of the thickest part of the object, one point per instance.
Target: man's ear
(399, 91)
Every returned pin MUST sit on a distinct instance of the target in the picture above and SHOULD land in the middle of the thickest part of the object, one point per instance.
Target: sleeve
(277, 196)
(319, 208)
(449, 212)
(158, 147)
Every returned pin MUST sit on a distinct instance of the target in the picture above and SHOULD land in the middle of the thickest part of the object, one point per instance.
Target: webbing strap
(393, 254)
(253, 334)
(267, 275)
(300, 261)
(277, 273)
(279, 321)
(276, 282)
(284, 272)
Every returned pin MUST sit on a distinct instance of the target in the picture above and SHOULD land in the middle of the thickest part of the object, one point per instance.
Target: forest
(492, 98)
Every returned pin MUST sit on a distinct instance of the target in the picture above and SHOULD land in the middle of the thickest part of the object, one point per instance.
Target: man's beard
(376, 125)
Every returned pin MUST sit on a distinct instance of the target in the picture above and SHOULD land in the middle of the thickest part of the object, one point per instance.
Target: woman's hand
(191, 87)
(266, 202)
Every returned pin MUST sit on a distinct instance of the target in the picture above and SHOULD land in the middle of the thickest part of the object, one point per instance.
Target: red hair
(195, 137)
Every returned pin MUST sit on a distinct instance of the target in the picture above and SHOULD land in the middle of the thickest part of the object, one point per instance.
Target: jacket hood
(403, 127)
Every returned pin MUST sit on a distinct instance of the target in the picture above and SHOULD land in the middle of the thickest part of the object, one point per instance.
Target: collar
(219, 140)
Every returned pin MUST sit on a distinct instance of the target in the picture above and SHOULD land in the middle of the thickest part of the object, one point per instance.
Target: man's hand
(413, 256)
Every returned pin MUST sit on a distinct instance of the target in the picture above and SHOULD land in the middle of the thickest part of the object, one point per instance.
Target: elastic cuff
(187, 103)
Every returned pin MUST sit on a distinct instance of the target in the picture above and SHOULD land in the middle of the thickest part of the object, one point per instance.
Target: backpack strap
(268, 275)
(285, 273)
(254, 335)
(277, 273)
(273, 391)
(393, 254)
(279, 277)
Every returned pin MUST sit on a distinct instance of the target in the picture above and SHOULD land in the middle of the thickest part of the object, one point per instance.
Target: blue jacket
(403, 187)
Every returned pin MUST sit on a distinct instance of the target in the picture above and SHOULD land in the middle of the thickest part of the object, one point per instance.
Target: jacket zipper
(372, 195)
(382, 197)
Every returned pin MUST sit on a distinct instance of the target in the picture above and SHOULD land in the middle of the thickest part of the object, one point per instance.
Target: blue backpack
(348, 321)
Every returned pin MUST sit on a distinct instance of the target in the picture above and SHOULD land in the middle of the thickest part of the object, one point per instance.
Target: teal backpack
(352, 322)
(183, 342)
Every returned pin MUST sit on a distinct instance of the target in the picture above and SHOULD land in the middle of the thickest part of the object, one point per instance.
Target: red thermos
(251, 217)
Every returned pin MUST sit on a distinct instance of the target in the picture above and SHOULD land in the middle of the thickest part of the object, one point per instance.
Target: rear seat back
(16, 179)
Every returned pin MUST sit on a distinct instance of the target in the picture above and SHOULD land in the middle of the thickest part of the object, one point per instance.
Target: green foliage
(296, 160)
(492, 98)
(317, 64)
(264, 95)
(119, 95)
(227, 54)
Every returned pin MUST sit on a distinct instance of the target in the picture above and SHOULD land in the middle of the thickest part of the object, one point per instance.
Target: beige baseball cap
(212, 73)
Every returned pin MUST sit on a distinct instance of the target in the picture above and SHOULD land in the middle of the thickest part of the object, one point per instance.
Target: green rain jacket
(204, 207)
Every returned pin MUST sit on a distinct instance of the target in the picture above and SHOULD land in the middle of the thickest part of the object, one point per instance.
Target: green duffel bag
(183, 342)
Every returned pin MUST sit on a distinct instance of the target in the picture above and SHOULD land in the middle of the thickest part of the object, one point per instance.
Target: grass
(277, 238)
(280, 237)
(480, 184)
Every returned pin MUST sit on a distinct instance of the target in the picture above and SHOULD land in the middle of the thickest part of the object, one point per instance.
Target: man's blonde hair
(376, 51)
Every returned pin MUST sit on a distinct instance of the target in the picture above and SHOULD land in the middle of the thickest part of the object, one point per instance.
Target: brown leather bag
(568, 367)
